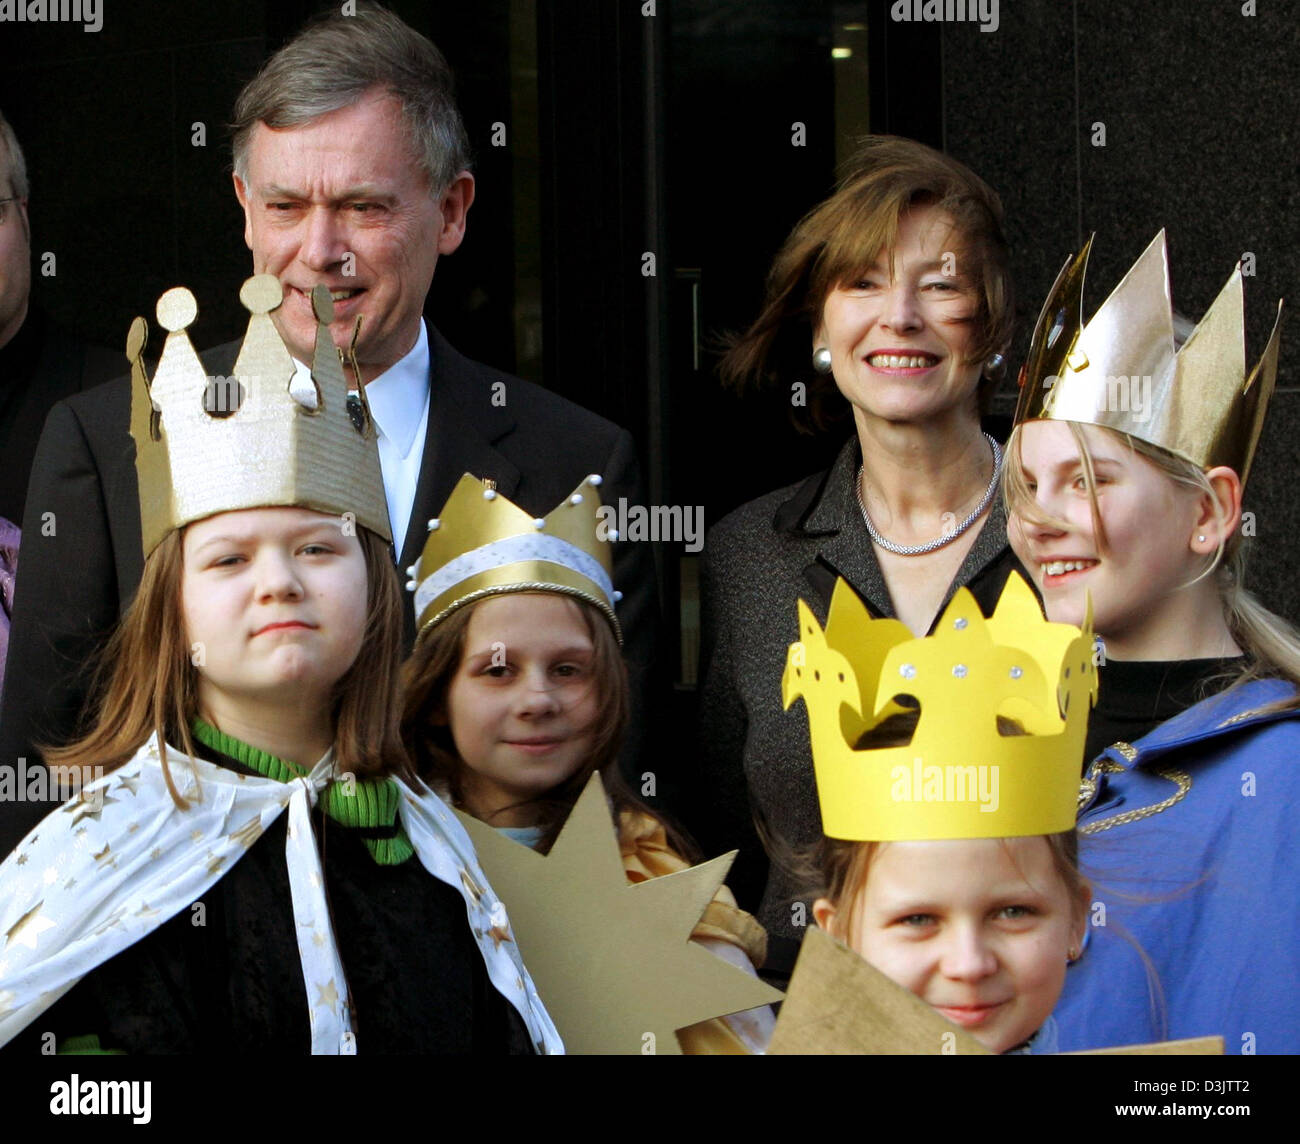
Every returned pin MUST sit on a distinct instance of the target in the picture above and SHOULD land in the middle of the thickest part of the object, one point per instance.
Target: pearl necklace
(948, 537)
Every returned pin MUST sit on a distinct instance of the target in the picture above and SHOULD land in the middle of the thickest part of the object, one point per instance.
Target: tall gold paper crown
(483, 544)
(204, 445)
(1120, 370)
(959, 777)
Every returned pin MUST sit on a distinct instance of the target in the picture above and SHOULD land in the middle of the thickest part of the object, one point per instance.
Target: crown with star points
(483, 544)
(1199, 403)
(959, 777)
(207, 445)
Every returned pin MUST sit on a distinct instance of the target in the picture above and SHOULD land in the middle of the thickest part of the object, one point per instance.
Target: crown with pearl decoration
(482, 544)
(959, 777)
(1120, 370)
(206, 445)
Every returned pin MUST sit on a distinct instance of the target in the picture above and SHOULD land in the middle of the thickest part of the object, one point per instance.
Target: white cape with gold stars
(113, 864)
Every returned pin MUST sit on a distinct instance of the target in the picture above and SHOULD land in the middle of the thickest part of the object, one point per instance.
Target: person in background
(352, 166)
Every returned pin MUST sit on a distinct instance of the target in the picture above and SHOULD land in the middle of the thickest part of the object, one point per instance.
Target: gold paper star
(28, 928)
(318, 939)
(103, 856)
(838, 1003)
(155, 853)
(196, 836)
(69, 883)
(498, 934)
(22, 860)
(146, 911)
(133, 828)
(215, 862)
(128, 782)
(612, 961)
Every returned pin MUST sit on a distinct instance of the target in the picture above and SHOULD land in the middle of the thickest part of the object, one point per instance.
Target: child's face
(274, 601)
(978, 928)
(1150, 526)
(522, 704)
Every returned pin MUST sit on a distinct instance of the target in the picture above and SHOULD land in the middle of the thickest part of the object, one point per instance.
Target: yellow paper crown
(959, 777)
(208, 445)
(1120, 370)
(482, 544)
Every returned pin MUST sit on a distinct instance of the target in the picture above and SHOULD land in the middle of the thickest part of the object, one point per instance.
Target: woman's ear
(824, 913)
(1217, 516)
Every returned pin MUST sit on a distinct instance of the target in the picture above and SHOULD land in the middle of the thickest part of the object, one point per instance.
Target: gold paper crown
(1120, 370)
(959, 777)
(485, 545)
(205, 445)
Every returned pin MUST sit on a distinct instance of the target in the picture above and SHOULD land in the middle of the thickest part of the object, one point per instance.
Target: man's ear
(824, 914)
(241, 193)
(1217, 516)
(454, 204)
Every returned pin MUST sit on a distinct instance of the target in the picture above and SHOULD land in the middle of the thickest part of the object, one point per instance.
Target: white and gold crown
(482, 544)
(959, 777)
(1198, 403)
(208, 445)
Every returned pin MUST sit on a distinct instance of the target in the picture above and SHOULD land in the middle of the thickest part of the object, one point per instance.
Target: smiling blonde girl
(1192, 780)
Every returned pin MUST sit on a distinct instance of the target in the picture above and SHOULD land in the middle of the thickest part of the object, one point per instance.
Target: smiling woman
(896, 291)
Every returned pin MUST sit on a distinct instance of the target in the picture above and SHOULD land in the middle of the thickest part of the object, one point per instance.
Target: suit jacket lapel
(463, 424)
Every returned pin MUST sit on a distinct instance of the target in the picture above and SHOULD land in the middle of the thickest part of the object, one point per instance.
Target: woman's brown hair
(427, 737)
(843, 236)
(146, 683)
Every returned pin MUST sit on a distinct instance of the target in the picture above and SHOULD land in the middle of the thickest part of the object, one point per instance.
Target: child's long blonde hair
(1271, 644)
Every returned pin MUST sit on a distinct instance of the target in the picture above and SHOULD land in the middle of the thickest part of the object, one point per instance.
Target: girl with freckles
(1191, 781)
(250, 864)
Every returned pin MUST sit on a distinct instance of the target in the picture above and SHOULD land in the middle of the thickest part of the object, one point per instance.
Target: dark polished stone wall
(1201, 123)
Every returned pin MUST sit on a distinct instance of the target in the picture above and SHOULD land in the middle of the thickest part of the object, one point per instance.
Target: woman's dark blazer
(758, 561)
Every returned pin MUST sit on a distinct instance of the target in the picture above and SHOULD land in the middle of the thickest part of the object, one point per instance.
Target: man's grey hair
(334, 62)
(17, 165)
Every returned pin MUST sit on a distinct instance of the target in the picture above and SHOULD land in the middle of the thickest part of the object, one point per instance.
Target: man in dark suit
(351, 165)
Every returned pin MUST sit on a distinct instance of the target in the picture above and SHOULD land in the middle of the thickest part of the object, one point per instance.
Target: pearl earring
(1201, 538)
(822, 359)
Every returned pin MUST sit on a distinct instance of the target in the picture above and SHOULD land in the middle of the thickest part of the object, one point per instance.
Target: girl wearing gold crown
(890, 303)
(250, 864)
(516, 693)
(1124, 485)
